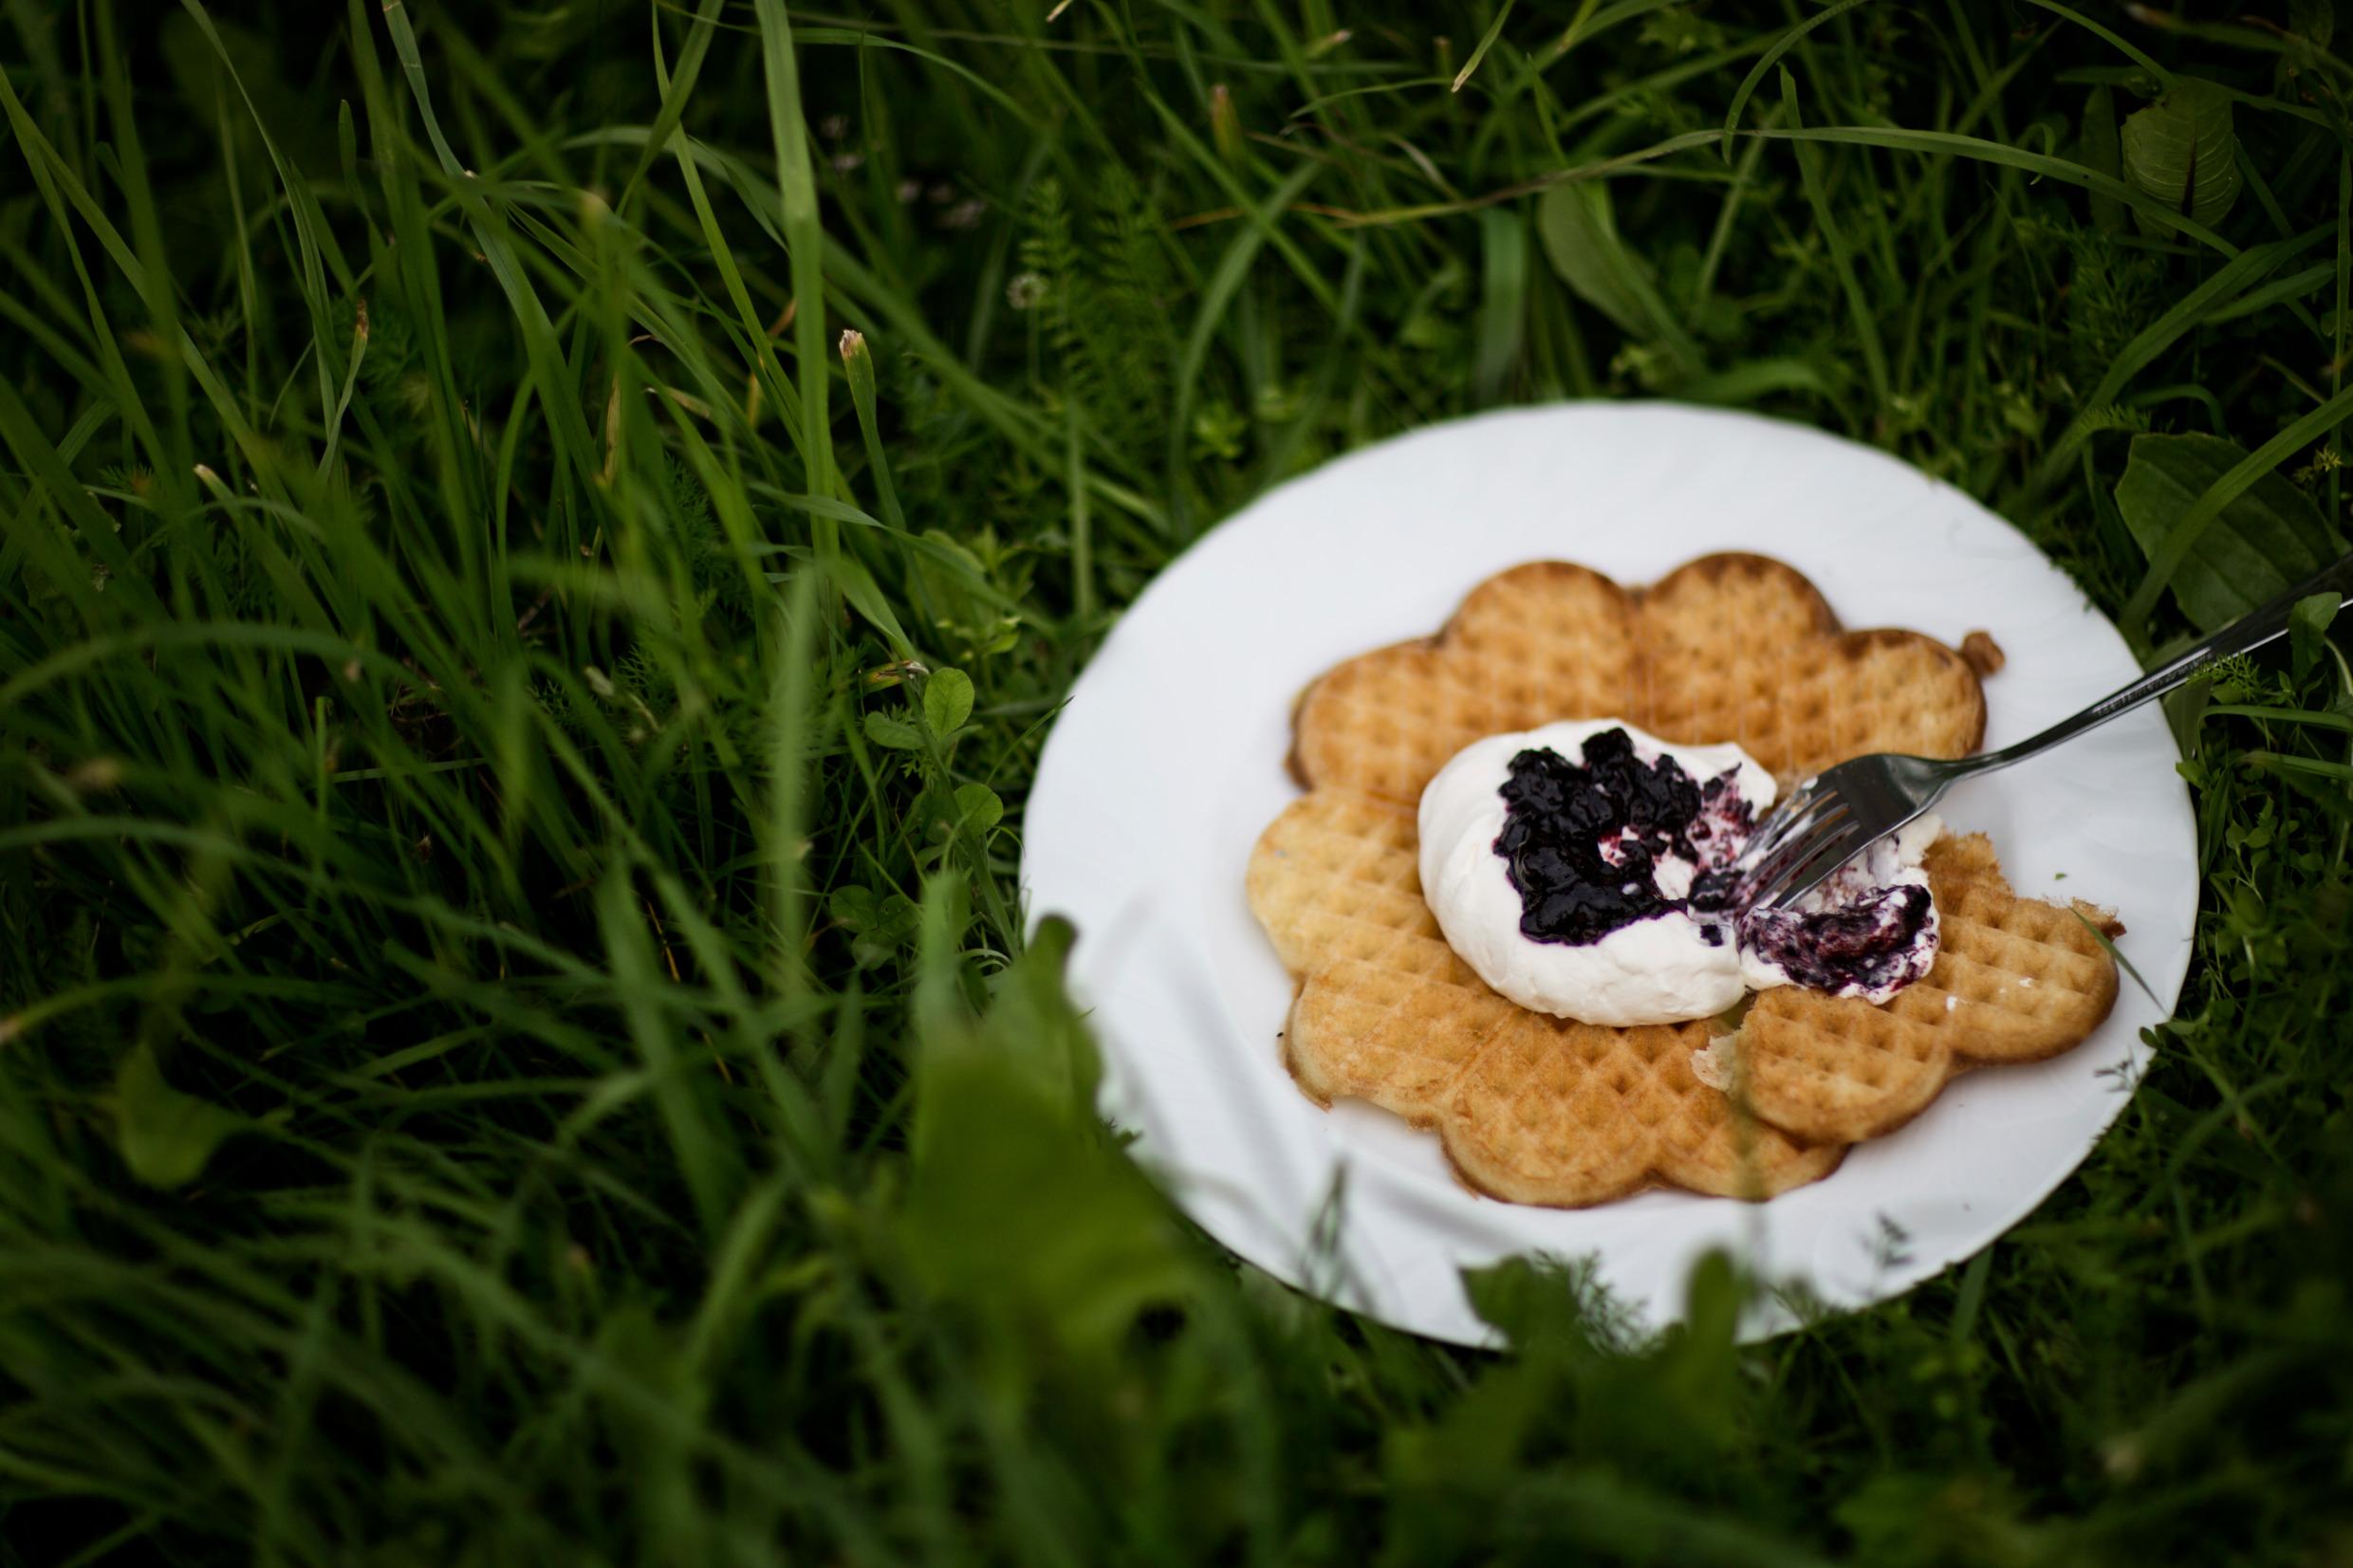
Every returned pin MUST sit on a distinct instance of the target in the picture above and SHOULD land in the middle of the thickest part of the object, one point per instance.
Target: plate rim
(1283, 1263)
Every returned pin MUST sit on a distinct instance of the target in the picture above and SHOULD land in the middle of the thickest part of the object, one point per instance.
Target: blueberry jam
(1584, 844)
(1868, 946)
(1597, 845)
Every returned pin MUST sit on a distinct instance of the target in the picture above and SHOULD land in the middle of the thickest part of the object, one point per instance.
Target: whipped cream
(1664, 969)
(1578, 941)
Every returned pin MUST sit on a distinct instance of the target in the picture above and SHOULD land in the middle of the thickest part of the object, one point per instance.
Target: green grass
(515, 1039)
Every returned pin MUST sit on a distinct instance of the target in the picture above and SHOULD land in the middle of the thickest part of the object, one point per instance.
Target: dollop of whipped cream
(1595, 886)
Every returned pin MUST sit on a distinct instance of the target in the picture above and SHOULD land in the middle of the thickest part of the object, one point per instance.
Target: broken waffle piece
(1544, 1110)
(2015, 980)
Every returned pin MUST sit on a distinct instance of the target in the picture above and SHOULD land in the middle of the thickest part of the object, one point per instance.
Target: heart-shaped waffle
(1533, 1108)
(2015, 980)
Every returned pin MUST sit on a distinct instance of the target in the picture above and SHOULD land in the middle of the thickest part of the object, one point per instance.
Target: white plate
(1169, 760)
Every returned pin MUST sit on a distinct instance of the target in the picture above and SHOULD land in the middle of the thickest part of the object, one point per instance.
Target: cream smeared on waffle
(1609, 937)
(1583, 870)
(1543, 1110)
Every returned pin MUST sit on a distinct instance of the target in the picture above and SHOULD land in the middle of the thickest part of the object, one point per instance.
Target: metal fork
(1833, 817)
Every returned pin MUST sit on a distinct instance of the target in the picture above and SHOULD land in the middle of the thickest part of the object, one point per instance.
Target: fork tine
(1806, 818)
(1807, 825)
(1773, 830)
(1820, 857)
(1774, 893)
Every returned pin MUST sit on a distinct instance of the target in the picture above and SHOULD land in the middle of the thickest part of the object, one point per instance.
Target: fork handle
(2247, 633)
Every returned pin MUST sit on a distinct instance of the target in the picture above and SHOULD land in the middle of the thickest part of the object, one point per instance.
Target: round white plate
(1169, 760)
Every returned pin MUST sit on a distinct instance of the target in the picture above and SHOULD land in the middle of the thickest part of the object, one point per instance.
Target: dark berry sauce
(1867, 946)
(1583, 842)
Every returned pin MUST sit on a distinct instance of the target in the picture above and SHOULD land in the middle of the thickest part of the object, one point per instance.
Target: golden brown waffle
(1729, 647)
(1533, 1109)
(1546, 640)
(2015, 980)
(1545, 1110)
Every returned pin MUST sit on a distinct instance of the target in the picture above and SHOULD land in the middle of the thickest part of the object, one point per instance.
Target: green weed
(541, 542)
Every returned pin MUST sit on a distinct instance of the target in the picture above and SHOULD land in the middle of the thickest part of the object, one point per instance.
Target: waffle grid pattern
(1729, 647)
(1543, 1110)
(1530, 1108)
(2015, 980)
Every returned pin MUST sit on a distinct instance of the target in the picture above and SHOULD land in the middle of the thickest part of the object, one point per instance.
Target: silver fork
(1837, 814)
